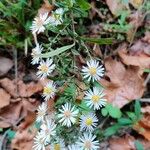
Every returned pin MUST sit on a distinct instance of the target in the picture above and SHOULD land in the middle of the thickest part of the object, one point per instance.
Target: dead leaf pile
(16, 100)
(126, 143)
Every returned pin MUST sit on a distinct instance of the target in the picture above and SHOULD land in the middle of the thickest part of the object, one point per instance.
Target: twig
(147, 79)
(16, 68)
(145, 100)
(2, 139)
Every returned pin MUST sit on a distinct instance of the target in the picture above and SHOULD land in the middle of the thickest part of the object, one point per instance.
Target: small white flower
(45, 68)
(59, 145)
(73, 147)
(48, 129)
(88, 122)
(93, 71)
(39, 142)
(39, 22)
(95, 98)
(42, 110)
(68, 115)
(56, 17)
(88, 142)
(49, 90)
(35, 54)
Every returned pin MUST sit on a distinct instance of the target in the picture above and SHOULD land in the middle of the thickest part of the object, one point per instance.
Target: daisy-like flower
(95, 99)
(68, 115)
(56, 17)
(59, 145)
(42, 110)
(49, 90)
(93, 71)
(45, 68)
(35, 54)
(73, 147)
(39, 142)
(88, 122)
(48, 129)
(88, 142)
(38, 25)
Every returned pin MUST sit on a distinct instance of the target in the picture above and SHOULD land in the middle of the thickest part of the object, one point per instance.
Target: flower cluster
(69, 115)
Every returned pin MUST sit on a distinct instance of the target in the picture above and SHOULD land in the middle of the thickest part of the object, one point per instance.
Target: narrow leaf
(101, 41)
(57, 51)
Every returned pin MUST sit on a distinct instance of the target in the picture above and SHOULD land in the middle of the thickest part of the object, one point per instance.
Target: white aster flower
(39, 142)
(38, 25)
(73, 147)
(45, 68)
(88, 142)
(56, 17)
(59, 145)
(93, 71)
(95, 98)
(35, 54)
(68, 115)
(48, 129)
(49, 90)
(88, 122)
(42, 110)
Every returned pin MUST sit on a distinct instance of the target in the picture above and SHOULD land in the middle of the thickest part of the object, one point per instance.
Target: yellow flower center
(88, 144)
(89, 121)
(47, 90)
(95, 98)
(57, 147)
(57, 16)
(67, 113)
(44, 68)
(92, 70)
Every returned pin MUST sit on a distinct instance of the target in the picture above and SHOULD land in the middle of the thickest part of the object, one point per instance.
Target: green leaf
(138, 145)
(132, 116)
(101, 41)
(137, 109)
(57, 51)
(124, 121)
(114, 111)
(1, 129)
(147, 70)
(84, 108)
(111, 130)
(83, 4)
(104, 112)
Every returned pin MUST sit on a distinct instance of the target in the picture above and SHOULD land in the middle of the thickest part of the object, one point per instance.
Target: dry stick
(147, 79)
(147, 100)
(16, 68)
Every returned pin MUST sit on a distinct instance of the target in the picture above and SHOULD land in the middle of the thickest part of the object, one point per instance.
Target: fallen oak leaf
(142, 60)
(124, 86)
(4, 98)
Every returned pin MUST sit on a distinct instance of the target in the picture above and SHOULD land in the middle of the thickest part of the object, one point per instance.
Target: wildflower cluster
(68, 118)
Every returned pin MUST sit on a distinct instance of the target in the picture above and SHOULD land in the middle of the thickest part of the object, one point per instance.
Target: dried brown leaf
(5, 65)
(142, 60)
(4, 98)
(23, 140)
(126, 143)
(115, 6)
(124, 86)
